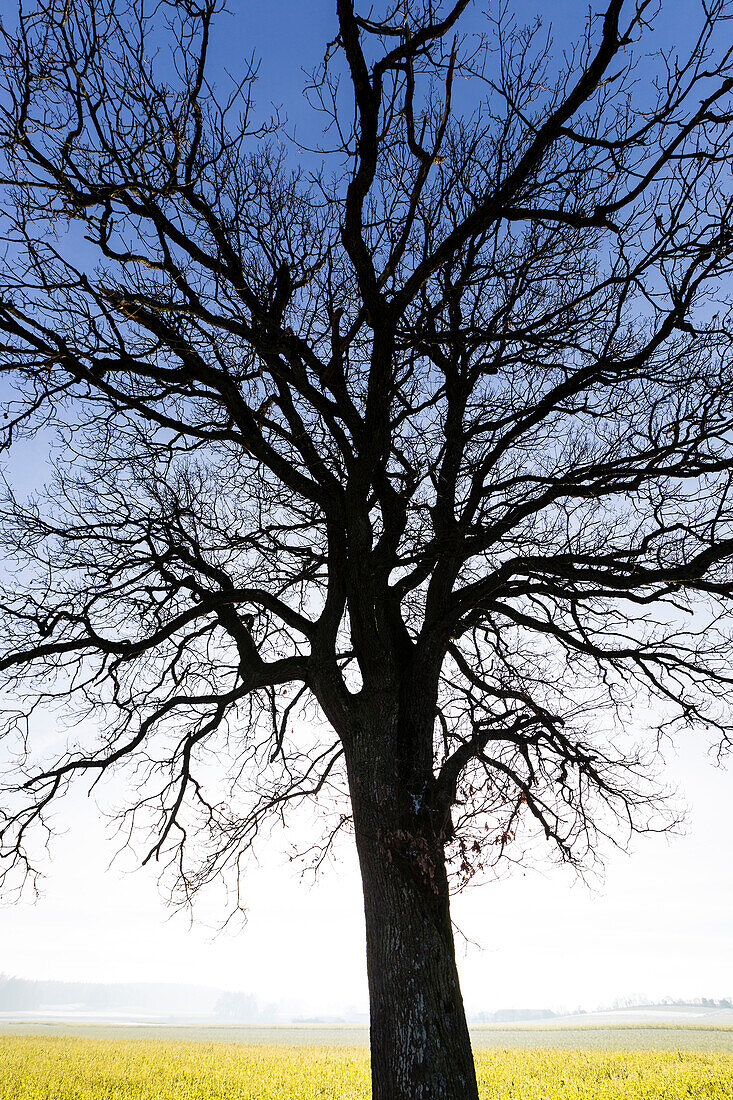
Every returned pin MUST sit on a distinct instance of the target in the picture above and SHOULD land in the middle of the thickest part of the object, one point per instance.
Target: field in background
(626, 1036)
(64, 1068)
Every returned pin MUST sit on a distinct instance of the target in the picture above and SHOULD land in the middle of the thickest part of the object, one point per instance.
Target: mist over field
(153, 1005)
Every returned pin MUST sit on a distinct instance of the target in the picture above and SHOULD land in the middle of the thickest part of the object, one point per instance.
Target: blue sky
(290, 37)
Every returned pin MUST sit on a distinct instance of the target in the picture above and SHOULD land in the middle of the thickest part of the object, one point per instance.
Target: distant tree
(427, 438)
(18, 995)
(237, 1006)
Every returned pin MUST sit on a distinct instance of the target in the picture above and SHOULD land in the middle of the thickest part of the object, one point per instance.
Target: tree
(427, 436)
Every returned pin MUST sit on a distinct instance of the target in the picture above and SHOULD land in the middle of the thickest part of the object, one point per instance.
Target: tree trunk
(420, 1046)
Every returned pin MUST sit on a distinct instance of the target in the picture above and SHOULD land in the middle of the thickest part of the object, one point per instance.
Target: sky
(659, 924)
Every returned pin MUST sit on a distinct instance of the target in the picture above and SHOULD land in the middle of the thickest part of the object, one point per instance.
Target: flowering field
(33, 1068)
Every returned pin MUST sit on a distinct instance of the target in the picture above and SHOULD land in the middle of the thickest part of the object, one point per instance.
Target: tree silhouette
(425, 437)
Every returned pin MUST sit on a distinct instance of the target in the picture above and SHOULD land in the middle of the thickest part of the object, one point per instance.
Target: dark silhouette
(425, 437)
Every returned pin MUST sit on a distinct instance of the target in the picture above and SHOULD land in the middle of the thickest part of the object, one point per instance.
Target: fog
(658, 926)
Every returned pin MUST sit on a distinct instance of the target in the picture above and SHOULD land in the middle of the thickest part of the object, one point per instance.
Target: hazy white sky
(659, 925)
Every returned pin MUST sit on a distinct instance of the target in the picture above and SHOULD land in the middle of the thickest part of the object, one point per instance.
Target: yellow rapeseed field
(89, 1069)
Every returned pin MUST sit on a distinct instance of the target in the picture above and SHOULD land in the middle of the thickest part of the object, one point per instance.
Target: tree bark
(420, 1046)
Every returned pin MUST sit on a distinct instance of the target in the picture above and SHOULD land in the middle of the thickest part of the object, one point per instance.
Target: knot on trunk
(420, 857)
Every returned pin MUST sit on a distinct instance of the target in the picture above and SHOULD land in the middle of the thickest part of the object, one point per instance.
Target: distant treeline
(513, 1015)
(175, 1001)
(519, 1015)
(669, 1002)
(24, 995)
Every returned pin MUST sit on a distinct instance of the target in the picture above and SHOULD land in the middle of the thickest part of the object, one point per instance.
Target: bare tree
(428, 439)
